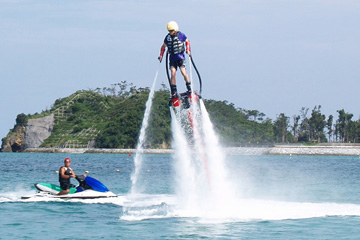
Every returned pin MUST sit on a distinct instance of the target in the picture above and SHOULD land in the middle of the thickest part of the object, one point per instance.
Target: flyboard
(184, 99)
(188, 105)
(88, 188)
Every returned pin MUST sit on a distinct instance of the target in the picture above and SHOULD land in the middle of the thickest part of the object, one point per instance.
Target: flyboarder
(174, 41)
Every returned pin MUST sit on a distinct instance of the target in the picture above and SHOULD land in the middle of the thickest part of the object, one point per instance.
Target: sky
(273, 56)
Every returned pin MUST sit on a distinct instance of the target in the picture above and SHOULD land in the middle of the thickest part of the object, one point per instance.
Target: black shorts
(65, 186)
(176, 64)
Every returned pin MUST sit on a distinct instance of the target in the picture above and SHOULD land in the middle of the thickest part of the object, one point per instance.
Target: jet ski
(88, 188)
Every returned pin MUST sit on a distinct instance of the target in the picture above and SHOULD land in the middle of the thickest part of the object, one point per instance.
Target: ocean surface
(272, 197)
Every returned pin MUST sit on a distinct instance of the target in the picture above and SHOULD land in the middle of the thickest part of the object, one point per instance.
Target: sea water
(273, 197)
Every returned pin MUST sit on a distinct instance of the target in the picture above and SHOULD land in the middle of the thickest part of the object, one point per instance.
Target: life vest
(175, 46)
(68, 171)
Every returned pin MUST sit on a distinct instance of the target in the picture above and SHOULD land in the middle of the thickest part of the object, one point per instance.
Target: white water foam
(13, 196)
(144, 206)
(232, 210)
(135, 188)
(153, 206)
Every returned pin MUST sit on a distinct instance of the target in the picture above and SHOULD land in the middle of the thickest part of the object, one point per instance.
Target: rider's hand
(188, 52)
(160, 58)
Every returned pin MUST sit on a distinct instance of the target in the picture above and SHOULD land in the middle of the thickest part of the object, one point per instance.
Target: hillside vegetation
(112, 117)
(107, 119)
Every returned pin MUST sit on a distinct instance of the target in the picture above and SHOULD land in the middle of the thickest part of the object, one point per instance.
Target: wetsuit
(65, 182)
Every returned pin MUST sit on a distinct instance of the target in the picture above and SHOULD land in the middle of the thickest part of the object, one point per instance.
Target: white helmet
(172, 26)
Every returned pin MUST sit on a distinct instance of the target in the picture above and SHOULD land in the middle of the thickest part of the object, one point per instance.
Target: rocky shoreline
(298, 150)
(348, 150)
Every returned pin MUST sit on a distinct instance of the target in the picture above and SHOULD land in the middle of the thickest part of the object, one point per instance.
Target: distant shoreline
(342, 150)
(96, 150)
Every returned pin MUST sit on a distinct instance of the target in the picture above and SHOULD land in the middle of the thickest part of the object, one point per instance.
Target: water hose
(167, 69)
(192, 62)
(197, 72)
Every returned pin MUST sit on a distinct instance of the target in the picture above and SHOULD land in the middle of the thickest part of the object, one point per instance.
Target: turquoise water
(275, 197)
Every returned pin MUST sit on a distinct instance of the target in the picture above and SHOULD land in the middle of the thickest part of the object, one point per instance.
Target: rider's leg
(186, 78)
(173, 82)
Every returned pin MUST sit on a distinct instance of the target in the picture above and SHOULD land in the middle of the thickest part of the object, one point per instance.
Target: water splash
(185, 172)
(142, 138)
(221, 184)
(201, 176)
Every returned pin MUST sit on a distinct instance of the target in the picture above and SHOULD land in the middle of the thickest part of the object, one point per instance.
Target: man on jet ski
(65, 173)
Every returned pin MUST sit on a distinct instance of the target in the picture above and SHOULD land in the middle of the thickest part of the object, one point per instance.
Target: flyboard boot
(175, 101)
(193, 96)
(184, 99)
